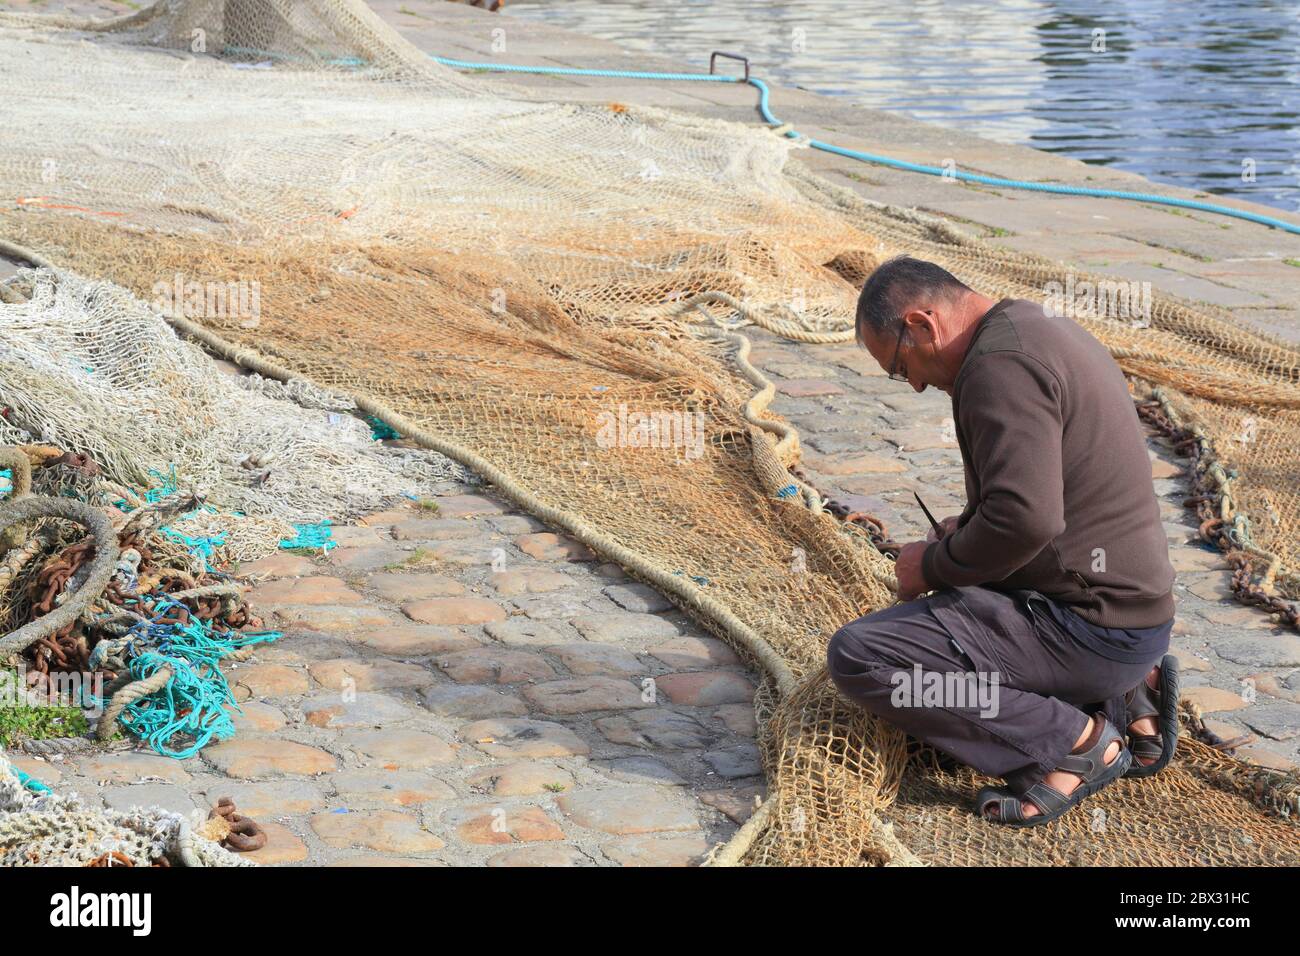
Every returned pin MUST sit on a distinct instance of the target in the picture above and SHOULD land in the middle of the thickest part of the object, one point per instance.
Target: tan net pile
(502, 277)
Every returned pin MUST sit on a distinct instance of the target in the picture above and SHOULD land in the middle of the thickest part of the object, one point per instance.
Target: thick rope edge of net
(1211, 481)
(101, 568)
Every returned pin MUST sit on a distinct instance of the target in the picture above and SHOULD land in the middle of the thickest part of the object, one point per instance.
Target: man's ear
(920, 326)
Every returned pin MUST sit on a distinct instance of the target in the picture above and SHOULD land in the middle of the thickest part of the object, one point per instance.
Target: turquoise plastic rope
(30, 782)
(380, 429)
(194, 702)
(190, 705)
(313, 536)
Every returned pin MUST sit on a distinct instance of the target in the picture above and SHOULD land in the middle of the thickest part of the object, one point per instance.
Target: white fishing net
(86, 366)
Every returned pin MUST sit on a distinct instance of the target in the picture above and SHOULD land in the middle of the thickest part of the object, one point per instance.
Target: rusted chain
(1196, 725)
(1214, 504)
(1246, 589)
(859, 520)
(49, 584)
(245, 834)
(875, 529)
(69, 650)
(82, 464)
(62, 650)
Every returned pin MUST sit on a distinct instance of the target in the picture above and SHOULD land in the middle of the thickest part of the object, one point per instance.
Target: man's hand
(946, 527)
(908, 570)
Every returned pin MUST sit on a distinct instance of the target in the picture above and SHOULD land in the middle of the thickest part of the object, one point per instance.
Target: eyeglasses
(894, 374)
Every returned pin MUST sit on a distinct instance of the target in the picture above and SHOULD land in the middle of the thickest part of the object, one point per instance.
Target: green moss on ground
(21, 722)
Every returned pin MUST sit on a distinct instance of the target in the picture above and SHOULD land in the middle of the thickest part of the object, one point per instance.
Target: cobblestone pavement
(466, 687)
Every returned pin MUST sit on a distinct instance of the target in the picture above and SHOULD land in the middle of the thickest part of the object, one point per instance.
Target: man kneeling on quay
(1031, 639)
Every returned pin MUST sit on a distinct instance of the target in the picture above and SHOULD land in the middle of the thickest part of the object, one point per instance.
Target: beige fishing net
(86, 365)
(503, 278)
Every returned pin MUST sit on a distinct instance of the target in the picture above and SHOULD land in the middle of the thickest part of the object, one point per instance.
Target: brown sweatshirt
(1058, 481)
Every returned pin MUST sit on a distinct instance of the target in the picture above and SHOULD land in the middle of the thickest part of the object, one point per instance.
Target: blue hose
(569, 71)
(764, 97)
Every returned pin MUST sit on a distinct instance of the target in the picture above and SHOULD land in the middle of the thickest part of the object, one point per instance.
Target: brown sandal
(1139, 703)
(1088, 761)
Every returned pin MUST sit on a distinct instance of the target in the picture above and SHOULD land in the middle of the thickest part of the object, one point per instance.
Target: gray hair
(897, 285)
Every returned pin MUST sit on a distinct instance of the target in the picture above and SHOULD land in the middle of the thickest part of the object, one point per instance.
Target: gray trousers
(983, 677)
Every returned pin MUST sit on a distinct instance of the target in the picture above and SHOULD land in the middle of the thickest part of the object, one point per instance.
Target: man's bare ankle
(1088, 728)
